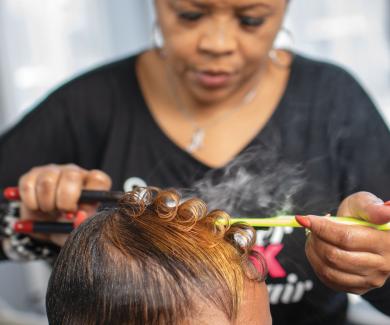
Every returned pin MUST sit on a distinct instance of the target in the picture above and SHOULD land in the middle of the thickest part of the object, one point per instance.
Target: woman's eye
(251, 21)
(190, 16)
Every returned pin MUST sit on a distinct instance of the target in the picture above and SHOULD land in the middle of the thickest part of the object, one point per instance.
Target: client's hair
(149, 260)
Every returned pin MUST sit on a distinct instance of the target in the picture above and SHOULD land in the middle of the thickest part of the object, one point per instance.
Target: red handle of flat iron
(87, 196)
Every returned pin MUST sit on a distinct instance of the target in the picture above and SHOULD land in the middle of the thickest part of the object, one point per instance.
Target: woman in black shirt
(252, 130)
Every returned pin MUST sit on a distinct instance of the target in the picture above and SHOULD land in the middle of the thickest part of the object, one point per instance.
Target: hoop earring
(283, 41)
(157, 37)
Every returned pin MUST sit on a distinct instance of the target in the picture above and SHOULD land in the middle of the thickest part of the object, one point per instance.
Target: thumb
(366, 206)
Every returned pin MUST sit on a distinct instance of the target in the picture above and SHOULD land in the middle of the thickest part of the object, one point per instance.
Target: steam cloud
(256, 182)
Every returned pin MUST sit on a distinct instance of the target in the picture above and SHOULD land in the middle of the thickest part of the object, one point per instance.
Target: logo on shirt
(270, 244)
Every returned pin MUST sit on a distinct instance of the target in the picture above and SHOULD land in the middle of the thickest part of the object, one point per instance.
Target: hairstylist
(214, 89)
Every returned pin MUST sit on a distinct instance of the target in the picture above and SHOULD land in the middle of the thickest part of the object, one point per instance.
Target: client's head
(154, 260)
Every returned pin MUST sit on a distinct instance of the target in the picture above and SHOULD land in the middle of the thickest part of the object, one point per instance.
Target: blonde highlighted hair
(148, 262)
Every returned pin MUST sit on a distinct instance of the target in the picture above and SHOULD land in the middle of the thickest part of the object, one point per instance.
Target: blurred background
(46, 42)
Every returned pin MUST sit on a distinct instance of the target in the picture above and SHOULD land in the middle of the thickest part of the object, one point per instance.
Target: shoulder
(323, 76)
(91, 99)
(101, 79)
(332, 96)
(317, 82)
(94, 95)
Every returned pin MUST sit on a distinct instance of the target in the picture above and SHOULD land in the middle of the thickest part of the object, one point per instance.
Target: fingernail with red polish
(303, 221)
(81, 216)
(70, 215)
(387, 203)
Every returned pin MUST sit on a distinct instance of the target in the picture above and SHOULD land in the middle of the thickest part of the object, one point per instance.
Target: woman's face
(215, 47)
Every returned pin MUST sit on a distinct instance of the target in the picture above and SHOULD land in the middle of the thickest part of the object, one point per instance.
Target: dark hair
(145, 262)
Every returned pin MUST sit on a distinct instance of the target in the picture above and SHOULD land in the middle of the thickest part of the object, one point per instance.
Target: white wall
(353, 33)
(45, 42)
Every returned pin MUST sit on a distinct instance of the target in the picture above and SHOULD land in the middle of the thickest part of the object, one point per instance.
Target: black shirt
(324, 141)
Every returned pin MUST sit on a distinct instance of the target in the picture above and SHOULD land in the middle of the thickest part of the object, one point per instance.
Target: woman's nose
(217, 40)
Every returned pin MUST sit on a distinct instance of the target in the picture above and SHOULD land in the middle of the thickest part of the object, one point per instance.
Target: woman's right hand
(49, 192)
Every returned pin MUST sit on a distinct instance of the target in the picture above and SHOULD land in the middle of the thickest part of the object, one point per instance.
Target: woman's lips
(210, 79)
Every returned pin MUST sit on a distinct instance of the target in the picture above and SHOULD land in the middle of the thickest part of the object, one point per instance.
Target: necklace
(198, 135)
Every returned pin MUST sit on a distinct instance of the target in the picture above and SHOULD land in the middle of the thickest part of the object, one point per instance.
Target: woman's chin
(205, 95)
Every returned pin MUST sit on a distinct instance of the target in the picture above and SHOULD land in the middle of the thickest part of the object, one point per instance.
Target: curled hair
(149, 260)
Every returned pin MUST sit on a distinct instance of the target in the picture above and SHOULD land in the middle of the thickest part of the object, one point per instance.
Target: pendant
(196, 140)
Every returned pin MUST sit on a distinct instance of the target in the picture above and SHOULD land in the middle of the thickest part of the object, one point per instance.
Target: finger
(359, 263)
(347, 237)
(378, 214)
(27, 189)
(95, 180)
(45, 189)
(26, 214)
(335, 279)
(81, 217)
(60, 239)
(69, 188)
(366, 206)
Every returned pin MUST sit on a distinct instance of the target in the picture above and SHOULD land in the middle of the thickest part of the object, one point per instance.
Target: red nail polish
(303, 221)
(387, 203)
(70, 215)
(81, 216)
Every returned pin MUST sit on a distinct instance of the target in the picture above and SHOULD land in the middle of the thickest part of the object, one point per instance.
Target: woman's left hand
(347, 258)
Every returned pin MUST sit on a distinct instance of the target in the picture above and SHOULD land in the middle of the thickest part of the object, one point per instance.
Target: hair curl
(147, 261)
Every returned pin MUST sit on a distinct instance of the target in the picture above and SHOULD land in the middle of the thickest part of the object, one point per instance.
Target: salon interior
(46, 42)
